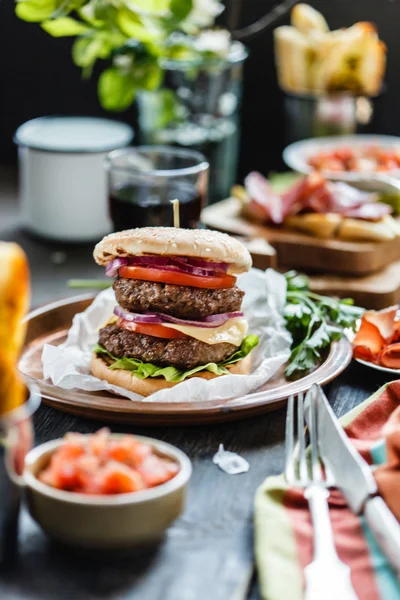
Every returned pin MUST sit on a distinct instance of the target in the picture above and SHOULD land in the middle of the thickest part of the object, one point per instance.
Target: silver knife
(353, 476)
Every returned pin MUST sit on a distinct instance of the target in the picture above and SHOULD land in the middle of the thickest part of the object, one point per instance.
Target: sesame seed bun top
(173, 241)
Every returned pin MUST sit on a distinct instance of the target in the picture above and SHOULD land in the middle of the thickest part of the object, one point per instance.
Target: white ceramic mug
(63, 184)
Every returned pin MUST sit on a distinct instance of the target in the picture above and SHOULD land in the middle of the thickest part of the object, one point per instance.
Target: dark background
(38, 77)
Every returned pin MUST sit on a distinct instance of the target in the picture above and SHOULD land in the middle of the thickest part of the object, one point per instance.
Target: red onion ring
(137, 317)
(159, 318)
(113, 267)
(212, 321)
(169, 263)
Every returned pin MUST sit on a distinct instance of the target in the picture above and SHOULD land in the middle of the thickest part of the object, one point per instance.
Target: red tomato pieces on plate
(364, 159)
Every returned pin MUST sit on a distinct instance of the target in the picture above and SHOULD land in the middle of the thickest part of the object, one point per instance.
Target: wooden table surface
(207, 554)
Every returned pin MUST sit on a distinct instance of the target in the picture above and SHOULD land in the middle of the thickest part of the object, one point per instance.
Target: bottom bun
(146, 387)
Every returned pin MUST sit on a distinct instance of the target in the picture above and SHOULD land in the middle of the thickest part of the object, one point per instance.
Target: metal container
(63, 187)
(341, 113)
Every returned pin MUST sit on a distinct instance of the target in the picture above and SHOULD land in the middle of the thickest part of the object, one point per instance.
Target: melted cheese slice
(232, 332)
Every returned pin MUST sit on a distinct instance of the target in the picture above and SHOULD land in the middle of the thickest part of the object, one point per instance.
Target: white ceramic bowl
(296, 155)
(113, 522)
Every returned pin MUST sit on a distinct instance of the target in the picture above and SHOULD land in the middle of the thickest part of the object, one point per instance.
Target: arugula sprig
(314, 322)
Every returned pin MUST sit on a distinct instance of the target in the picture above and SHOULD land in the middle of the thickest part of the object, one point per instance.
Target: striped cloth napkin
(283, 530)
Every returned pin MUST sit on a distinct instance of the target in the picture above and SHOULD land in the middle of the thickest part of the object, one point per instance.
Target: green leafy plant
(314, 322)
(134, 36)
(143, 370)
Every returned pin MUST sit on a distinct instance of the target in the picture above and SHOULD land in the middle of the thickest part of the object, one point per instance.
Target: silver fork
(326, 577)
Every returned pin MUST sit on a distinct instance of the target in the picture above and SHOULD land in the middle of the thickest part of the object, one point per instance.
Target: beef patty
(176, 300)
(183, 354)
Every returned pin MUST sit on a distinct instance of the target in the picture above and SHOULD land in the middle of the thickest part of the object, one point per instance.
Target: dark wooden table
(207, 554)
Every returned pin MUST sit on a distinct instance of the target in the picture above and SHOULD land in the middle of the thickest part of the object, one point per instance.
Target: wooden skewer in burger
(179, 309)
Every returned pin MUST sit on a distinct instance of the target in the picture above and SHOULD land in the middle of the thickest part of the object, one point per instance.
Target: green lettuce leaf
(143, 370)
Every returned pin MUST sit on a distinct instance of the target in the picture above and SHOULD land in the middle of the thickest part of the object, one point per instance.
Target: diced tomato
(119, 479)
(368, 158)
(98, 442)
(128, 451)
(156, 470)
(176, 278)
(150, 329)
(99, 464)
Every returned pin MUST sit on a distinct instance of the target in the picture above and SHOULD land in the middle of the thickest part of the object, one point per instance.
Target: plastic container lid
(74, 134)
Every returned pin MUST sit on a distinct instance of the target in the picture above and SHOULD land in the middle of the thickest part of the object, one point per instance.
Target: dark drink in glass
(144, 180)
(132, 206)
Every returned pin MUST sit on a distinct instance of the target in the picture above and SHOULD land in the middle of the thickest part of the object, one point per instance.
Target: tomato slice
(151, 329)
(174, 277)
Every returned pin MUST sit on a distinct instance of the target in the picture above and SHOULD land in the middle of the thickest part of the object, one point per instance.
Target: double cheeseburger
(179, 309)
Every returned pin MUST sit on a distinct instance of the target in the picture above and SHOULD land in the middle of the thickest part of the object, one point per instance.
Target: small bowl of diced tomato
(106, 491)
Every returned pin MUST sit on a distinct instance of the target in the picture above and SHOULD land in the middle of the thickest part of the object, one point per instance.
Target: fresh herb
(314, 322)
(143, 370)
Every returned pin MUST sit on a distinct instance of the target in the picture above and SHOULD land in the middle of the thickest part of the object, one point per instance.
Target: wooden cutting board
(376, 291)
(302, 251)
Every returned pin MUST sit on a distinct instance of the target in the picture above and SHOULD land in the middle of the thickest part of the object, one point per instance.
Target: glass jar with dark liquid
(144, 180)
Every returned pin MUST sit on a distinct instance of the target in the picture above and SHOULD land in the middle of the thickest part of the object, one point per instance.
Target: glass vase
(198, 107)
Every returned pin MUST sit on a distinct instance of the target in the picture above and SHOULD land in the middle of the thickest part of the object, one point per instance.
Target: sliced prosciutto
(377, 339)
(311, 194)
(369, 342)
(264, 200)
(390, 357)
(369, 212)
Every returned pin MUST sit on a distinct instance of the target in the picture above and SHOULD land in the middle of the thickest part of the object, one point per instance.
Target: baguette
(351, 59)
(239, 192)
(295, 53)
(332, 225)
(306, 19)
(392, 224)
(311, 58)
(366, 231)
(320, 225)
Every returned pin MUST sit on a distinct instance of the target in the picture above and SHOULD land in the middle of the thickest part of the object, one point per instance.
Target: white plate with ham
(345, 157)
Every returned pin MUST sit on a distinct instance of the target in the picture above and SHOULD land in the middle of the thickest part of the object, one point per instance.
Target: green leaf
(143, 370)
(147, 76)
(35, 10)
(302, 361)
(64, 26)
(297, 313)
(296, 282)
(116, 90)
(162, 108)
(180, 9)
(152, 7)
(320, 338)
(87, 49)
(133, 26)
(314, 322)
(248, 344)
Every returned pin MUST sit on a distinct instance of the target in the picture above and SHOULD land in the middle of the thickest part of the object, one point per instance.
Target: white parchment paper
(67, 366)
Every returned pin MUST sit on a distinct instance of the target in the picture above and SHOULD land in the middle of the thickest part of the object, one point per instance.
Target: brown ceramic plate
(50, 324)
